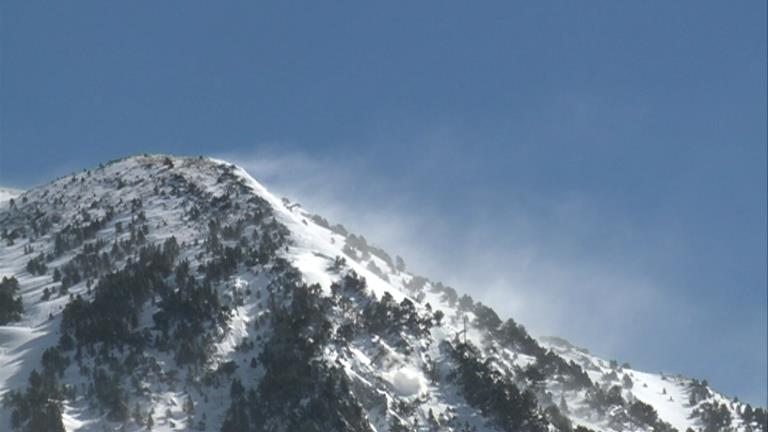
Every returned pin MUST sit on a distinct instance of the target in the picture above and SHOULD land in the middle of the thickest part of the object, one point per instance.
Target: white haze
(523, 268)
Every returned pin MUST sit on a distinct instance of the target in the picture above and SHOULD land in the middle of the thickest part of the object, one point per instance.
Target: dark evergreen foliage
(11, 306)
(109, 393)
(74, 234)
(714, 416)
(297, 392)
(645, 414)
(38, 407)
(36, 265)
(698, 391)
(495, 396)
(112, 316)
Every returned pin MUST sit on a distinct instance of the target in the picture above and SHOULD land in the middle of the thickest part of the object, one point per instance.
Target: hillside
(177, 293)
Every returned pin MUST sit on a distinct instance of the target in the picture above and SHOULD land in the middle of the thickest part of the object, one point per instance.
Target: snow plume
(544, 267)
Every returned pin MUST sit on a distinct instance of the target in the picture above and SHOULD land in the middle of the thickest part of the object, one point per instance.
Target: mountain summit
(176, 293)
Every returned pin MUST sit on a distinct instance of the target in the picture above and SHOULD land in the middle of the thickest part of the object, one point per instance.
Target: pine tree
(11, 307)
(627, 382)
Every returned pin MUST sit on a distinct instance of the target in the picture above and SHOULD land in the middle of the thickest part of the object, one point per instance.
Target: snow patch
(7, 193)
(407, 381)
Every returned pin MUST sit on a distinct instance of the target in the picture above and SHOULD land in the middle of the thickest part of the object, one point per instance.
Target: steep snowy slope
(177, 293)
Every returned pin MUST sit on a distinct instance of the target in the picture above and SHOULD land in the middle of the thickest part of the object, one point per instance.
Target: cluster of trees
(262, 246)
(388, 317)
(373, 268)
(36, 265)
(363, 313)
(40, 223)
(550, 365)
(560, 422)
(351, 285)
(567, 372)
(179, 185)
(416, 284)
(755, 418)
(600, 399)
(75, 233)
(11, 306)
(515, 336)
(119, 298)
(112, 317)
(357, 247)
(482, 384)
(259, 250)
(224, 263)
(698, 391)
(635, 412)
(645, 414)
(23, 218)
(714, 416)
(110, 395)
(90, 262)
(298, 391)
(10, 236)
(183, 314)
(489, 391)
(38, 407)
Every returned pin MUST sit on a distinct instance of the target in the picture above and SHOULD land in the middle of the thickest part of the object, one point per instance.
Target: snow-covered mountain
(177, 293)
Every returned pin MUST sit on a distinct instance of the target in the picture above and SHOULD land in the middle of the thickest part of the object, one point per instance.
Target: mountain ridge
(266, 286)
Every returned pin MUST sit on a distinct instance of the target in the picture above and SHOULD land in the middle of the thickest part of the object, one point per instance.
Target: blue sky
(595, 169)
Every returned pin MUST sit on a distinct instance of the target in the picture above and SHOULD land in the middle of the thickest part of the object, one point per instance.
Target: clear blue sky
(615, 142)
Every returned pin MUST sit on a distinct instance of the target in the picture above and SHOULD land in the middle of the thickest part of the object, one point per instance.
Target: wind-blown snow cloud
(531, 270)
(562, 263)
